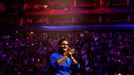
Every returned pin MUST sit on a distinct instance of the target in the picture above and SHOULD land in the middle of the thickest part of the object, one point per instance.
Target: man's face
(64, 45)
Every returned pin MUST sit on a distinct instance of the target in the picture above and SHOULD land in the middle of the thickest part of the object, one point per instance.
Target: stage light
(32, 32)
(16, 31)
(29, 20)
(37, 7)
(119, 74)
(38, 59)
(32, 44)
(2, 7)
(45, 6)
(44, 33)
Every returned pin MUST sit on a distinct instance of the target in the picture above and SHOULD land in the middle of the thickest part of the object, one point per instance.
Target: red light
(36, 7)
(29, 20)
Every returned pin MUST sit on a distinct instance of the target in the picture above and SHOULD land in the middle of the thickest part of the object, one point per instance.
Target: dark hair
(61, 40)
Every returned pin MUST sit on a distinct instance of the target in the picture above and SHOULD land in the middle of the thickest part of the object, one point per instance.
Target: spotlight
(32, 32)
(45, 6)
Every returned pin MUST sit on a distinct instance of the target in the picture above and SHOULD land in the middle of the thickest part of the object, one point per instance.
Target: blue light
(72, 27)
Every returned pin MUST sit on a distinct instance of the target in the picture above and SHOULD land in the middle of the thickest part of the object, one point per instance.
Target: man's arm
(71, 52)
(55, 61)
(60, 61)
(73, 60)
(66, 55)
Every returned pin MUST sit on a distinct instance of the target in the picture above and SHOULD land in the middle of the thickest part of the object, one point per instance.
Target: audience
(100, 53)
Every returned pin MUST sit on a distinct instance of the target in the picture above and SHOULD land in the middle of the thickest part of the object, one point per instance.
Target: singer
(63, 61)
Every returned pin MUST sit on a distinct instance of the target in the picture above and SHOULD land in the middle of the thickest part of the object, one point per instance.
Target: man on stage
(63, 61)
